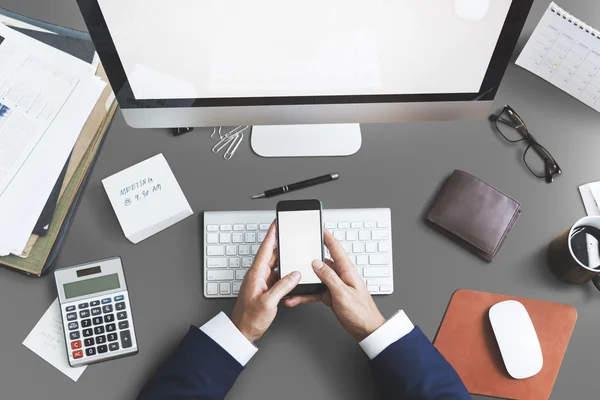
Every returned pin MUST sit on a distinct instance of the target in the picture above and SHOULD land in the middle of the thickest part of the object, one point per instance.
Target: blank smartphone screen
(300, 243)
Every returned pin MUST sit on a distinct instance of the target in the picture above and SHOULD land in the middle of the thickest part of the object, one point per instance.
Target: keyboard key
(88, 342)
(107, 309)
(250, 237)
(96, 311)
(74, 335)
(236, 287)
(347, 246)
(88, 332)
(212, 238)
(90, 351)
(370, 224)
(383, 224)
(330, 225)
(100, 339)
(215, 250)
(76, 345)
(343, 225)
(377, 282)
(356, 225)
(378, 259)
(94, 303)
(83, 305)
(262, 236)
(106, 301)
(111, 328)
(380, 235)
(240, 273)
(372, 289)
(109, 318)
(111, 337)
(216, 262)
(237, 237)
(364, 235)
(376, 272)
(212, 228)
(98, 330)
(225, 238)
(225, 227)
(244, 250)
(234, 262)
(238, 227)
(264, 227)
(371, 247)
(231, 250)
(385, 288)
(246, 262)
(122, 315)
(77, 354)
(102, 349)
(119, 298)
(71, 316)
(358, 247)
(384, 247)
(123, 324)
(84, 313)
(362, 259)
(97, 320)
(73, 325)
(351, 236)
(251, 227)
(120, 306)
(212, 288)
(126, 339)
(225, 288)
(70, 308)
(113, 346)
(255, 248)
(219, 275)
(339, 235)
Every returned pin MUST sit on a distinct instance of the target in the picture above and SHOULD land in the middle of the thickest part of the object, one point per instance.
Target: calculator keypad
(104, 324)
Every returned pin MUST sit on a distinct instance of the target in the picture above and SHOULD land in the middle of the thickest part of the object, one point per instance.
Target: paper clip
(231, 139)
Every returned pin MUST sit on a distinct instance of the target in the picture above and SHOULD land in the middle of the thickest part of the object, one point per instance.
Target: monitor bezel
(99, 32)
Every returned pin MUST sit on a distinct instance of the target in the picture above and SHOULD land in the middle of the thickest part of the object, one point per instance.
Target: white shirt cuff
(227, 335)
(393, 330)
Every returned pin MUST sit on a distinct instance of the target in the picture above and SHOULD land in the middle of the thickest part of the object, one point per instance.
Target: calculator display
(89, 286)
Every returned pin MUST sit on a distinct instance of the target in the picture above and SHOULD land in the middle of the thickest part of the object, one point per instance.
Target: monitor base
(306, 140)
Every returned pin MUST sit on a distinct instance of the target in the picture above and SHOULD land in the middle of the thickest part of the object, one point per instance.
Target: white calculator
(96, 313)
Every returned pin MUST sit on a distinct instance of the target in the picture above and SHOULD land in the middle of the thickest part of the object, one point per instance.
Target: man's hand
(260, 293)
(346, 293)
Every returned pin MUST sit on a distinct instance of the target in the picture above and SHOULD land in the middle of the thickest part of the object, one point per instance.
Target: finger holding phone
(346, 293)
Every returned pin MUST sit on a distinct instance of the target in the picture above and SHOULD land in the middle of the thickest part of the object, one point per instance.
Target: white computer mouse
(473, 10)
(517, 339)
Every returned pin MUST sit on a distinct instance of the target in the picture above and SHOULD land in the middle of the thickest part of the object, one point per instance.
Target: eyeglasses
(513, 129)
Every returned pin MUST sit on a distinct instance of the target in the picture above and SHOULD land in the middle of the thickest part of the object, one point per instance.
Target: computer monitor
(303, 73)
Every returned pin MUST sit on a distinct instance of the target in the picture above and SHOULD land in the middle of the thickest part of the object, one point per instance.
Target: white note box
(146, 198)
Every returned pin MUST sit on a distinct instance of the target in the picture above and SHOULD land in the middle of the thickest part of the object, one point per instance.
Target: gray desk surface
(306, 354)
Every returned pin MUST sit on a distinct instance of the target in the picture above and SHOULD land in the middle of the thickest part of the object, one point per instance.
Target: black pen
(297, 186)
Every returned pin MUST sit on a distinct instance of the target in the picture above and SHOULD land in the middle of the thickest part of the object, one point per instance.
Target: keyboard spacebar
(219, 275)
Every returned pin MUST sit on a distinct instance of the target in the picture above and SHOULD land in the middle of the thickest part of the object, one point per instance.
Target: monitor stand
(306, 140)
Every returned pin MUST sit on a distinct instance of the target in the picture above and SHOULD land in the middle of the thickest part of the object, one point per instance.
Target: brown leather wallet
(480, 215)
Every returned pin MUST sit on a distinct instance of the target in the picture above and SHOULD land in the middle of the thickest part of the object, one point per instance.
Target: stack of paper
(46, 97)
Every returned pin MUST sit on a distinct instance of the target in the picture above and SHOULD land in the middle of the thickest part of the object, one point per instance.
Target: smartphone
(300, 241)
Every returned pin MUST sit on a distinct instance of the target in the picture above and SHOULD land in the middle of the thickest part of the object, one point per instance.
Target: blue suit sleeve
(199, 369)
(413, 369)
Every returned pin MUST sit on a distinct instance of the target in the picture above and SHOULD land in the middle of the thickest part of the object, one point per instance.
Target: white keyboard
(232, 239)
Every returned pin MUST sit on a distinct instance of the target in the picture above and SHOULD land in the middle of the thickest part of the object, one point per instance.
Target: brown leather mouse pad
(467, 341)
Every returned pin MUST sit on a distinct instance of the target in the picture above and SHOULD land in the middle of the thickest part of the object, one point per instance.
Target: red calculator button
(77, 354)
(76, 344)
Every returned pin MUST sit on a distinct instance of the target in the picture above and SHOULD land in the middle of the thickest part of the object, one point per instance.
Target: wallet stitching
(508, 227)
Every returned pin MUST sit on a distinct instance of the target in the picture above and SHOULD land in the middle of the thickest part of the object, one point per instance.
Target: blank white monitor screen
(263, 48)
